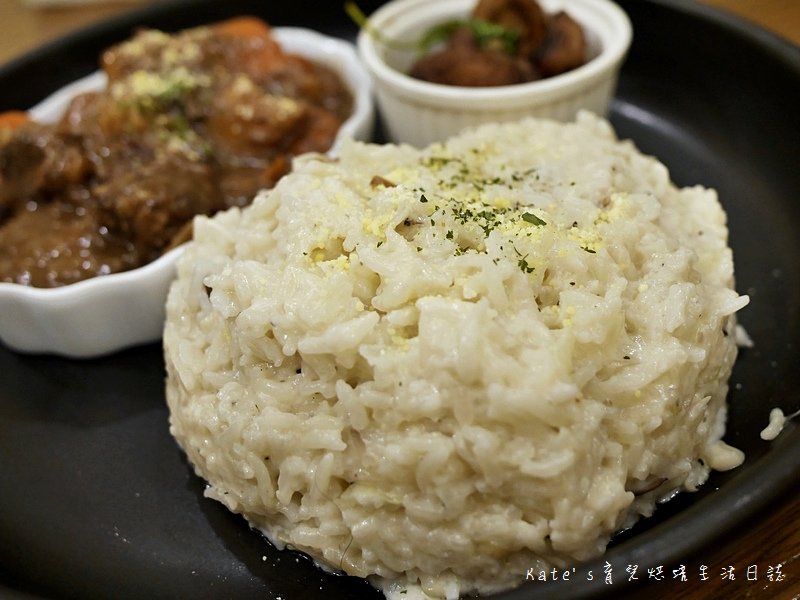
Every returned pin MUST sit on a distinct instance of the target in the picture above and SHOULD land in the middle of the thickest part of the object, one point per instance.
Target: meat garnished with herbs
(189, 123)
(504, 42)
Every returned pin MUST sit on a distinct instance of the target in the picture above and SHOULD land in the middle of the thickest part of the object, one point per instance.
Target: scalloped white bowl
(420, 112)
(112, 312)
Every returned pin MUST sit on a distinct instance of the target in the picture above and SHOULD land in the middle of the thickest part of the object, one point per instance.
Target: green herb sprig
(485, 32)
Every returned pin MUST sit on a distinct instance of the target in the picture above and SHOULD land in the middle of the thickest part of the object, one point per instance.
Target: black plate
(96, 500)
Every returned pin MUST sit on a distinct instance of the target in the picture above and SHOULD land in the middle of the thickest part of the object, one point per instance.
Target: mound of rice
(440, 368)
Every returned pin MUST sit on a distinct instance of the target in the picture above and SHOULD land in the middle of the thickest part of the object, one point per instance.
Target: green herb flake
(485, 33)
(533, 219)
(524, 266)
(423, 198)
(439, 34)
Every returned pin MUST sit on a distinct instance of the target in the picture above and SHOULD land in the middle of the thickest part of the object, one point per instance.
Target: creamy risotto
(439, 368)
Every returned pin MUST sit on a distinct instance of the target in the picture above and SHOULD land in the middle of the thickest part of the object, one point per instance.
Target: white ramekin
(111, 312)
(420, 112)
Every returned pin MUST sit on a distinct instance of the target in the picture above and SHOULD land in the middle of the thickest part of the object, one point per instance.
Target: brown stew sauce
(190, 123)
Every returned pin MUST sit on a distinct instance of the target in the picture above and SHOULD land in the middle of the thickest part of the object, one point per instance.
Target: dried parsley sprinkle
(522, 263)
(439, 161)
(461, 197)
(521, 176)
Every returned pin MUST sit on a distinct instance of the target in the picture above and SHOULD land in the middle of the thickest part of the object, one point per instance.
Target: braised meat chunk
(189, 123)
(465, 62)
(504, 42)
(563, 47)
(523, 17)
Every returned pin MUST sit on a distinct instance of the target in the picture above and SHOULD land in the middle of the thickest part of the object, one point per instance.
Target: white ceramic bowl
(108, 313)
(420, 112)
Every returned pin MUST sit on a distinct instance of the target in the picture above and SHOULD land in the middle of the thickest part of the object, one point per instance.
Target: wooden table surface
(770, 541)
(23, 28)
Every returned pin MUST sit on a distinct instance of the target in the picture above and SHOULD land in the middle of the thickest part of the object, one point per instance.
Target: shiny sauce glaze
(189, 123)
(504, 42)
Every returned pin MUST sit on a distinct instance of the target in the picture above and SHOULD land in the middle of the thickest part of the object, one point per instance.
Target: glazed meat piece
(463, 62)
(243, 121)
(297, 77)
(190, 123)
(520, 44)
(524, 17)
(149, 206)
(35, 162)
(563, 48)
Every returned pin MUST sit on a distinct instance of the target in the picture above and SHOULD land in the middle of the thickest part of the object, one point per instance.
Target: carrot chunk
(244, 27)
(13, 118)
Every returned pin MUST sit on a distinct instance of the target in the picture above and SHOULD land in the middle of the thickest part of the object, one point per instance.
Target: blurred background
(25, 24)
